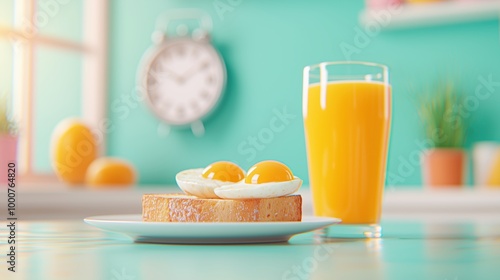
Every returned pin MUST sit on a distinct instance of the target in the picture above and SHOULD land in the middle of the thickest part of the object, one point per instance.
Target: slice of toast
(185, 208)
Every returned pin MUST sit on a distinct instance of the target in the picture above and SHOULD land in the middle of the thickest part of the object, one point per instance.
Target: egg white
(242, 190)
(192, 183)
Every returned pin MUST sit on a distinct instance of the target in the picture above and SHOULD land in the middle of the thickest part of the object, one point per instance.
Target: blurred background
(72, 58)
(75, 120)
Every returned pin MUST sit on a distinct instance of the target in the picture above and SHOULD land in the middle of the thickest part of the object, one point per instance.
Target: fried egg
(264, 180)
(202, 182)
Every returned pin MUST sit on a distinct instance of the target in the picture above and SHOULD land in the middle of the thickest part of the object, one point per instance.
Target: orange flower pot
(444, 167)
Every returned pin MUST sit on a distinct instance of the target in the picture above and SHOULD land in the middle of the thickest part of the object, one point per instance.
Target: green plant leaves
(441, 112)
(7, 126)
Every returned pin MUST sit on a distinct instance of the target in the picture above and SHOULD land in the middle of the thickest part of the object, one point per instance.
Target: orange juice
(347, 131)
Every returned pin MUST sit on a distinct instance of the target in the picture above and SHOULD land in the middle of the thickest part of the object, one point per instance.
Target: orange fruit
(73, 149)
(110, 172)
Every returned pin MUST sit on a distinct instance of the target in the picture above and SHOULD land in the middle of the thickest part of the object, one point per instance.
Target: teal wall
(265, 45)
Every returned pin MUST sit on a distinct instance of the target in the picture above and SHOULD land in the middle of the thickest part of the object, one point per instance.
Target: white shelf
(417, 15)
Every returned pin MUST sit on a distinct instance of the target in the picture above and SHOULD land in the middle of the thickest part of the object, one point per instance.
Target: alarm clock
(182, 77)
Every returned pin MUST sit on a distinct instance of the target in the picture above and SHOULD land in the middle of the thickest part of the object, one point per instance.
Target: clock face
(184, 81)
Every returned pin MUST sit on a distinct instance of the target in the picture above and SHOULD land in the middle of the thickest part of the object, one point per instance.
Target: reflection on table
(74, 250)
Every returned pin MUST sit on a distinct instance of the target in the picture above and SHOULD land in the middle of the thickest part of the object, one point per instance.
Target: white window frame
(94, 75)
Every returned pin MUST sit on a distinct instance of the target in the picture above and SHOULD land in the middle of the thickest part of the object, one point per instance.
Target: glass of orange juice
(347, 116)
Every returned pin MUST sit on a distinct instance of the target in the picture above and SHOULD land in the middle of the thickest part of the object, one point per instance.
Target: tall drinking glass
(347, 116)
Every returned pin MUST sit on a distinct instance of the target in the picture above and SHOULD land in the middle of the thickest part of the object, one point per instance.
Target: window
(53, 55)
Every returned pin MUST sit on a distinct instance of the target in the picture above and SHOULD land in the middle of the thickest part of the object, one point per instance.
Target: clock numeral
(180, 111)
(165, 106)
(181, 51)
(153, 73)
(194, 105)
(154, 87)
(162, 63)
(154, 96)
(152, 82)
(195, 53)
(166, 55)
(210, 79)
(205, 95)
(204, 65)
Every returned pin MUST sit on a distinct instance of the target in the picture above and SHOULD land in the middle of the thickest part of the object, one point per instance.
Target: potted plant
(445, 123)
(8, 140)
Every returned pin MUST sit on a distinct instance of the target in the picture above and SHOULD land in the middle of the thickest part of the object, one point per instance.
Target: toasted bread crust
(184, 208)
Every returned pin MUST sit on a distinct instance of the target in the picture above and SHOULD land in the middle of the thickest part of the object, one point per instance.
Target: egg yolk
(268, 171)
(223, 171)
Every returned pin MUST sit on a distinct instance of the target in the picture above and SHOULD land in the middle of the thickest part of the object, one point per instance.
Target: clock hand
(188, 74)
(174, 75)
(158, 75)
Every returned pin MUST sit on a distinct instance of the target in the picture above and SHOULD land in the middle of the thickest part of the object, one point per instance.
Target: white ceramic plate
(204, 233)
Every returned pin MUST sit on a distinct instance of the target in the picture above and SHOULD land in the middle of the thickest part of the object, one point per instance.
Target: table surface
(407, 250)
